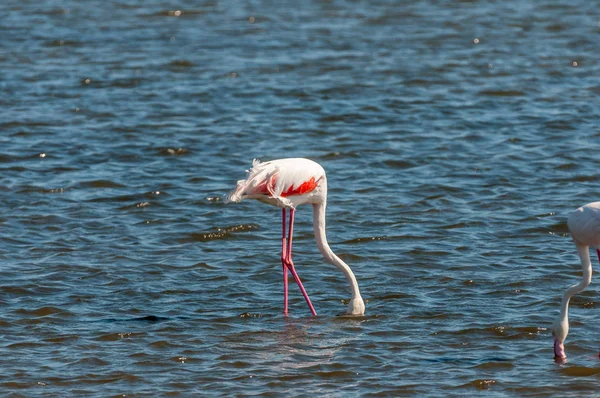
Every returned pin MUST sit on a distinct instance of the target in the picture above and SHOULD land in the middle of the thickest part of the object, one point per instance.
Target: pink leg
(285, 274)
(290, 264)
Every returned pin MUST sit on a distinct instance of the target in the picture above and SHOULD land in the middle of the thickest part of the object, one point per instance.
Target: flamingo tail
(260, 182)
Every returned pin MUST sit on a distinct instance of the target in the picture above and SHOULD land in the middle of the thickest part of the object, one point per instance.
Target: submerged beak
(559, 349)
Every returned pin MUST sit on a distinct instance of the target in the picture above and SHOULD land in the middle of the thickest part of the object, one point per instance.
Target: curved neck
(584, 255)
(330, 257)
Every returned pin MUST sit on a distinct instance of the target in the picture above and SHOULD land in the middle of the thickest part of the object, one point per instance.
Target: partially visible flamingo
(584, 225)
(288, 183)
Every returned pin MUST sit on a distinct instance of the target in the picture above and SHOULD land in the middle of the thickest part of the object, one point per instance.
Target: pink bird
(584, 225)
(288, 183)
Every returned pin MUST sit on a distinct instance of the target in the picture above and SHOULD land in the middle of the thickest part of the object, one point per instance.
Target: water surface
(457, 138)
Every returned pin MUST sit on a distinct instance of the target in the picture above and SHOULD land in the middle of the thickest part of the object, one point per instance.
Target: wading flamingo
(584, 225)
(288, 183)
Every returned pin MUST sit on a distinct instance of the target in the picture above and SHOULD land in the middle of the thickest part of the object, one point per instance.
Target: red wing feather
(305, 187)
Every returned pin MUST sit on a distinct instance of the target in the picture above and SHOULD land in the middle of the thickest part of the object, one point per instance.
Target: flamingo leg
(285, 270)
(290, 265)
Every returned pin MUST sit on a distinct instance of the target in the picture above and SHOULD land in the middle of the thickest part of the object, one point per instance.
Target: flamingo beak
(559, 349)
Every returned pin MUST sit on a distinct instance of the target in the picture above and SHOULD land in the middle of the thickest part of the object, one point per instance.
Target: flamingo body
(288, 183)
(284, 183)
(584, 226)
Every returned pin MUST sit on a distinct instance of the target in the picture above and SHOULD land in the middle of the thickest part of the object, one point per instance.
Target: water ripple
(449, 131)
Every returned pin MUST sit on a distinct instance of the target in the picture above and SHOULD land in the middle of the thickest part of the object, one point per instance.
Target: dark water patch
(122, 83)
(54, 11)
(353, 319)
(370, 108)
(63, 43)
(333, 155)
(15, 290)
(156, 194)
(567, 166)
(455, 360)
(423, 82)
(119, 336)
(11, 385)
(90, 361)
(399, 164)
(585, 178)
(222, 233)
(185, 359)
(175, 13)
(535, 217)
(506, 332)
(44, 311)
(345, 118)
(54, 247)
(496, 365)
(502, 93)
(138, 205)
(52, 190)
(180, 64)
(65, 339)
(348, 257)
(99, 184)
(394, 296)
(480, 384)
(174, 151)
(30, 123)
(25, 345)
(109, 378)
(579, 371)
(555, 27)
(560, 125)
(249, 315)
(181, 267)
(557, 228)
(365, 239)
(90, 82)
(581, 301)
(163, 345)
(22, 133)
(335, 374)
(116, 198)
(149, 318)
(434, 314)
(454, 226)
(420, 251)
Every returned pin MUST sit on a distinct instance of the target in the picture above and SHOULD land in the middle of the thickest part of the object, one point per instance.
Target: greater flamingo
(288, 183)
(584, 225)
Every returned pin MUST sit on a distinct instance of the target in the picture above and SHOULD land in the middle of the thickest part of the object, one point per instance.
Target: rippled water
(457, 137)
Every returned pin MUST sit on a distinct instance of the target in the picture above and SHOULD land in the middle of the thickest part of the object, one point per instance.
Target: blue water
(456, 136)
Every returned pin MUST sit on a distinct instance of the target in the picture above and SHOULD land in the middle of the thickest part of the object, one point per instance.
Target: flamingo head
(356, 306)
(560, 329)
